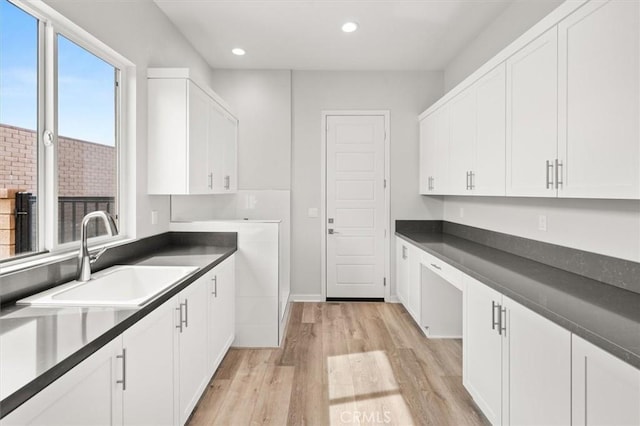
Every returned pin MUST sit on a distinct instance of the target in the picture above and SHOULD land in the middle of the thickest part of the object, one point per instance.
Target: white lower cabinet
(147, 348)
(152, 374)
(87, 395)
(522, 376)
(414, 278)
(402, 271)
(605, 389)
(191, 374)
(222, 295)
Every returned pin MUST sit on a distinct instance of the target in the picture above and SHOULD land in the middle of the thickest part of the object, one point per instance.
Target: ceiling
(306, 34)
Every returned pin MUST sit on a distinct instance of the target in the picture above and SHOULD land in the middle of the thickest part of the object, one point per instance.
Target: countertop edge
(26, 392)
(600, 341)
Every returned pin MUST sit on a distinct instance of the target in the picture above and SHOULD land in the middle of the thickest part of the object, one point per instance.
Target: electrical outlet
(154, 217)
(461, 211)
(542, 222)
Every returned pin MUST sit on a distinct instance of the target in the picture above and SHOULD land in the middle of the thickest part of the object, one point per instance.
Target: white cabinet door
(482, 358)
(86, 395)
(231, 154)
(149, 349)
(216, 151)
(538, 369)
(462, 110)
(221, 311)
(489, 165)
(402, 272)
(428, 152)
(191, 374)
(599, 82)
(414, 283)
(198, 141)
(605, 390)
(532, 105)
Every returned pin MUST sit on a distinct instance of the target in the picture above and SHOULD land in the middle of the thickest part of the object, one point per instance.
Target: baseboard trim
(306, 298)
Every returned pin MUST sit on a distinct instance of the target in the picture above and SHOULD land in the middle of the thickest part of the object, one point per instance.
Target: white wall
(610, 227)
(139, 31)
(405, 95)
(261, 99)
(513, 22)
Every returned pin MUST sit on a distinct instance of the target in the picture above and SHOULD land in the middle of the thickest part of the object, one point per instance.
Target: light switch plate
(154, 217)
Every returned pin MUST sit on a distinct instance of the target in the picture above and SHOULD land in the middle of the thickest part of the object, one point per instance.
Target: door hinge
(384, 281)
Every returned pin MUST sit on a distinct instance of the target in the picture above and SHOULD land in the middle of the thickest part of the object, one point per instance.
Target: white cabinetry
(522, 377)
(149, 358)
(605, 390)
(462, 142)
(434, 152)
(191, 328)
(87, 395)
(222, 295)
(402, 271)
(192, 144)
(532, 117)
(599, 102)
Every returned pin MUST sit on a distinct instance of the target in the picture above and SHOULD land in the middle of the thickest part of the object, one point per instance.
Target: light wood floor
(342, 363)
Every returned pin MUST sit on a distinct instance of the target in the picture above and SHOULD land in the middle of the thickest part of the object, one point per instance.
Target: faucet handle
(94, 257)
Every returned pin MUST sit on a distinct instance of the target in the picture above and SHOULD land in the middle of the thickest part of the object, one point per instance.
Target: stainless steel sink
(119, 286)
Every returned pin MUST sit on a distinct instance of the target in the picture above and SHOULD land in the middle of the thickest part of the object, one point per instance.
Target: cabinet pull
(179, 309)
(404, 252)
(471, 176)
(558, 174)
(215, 286)
(467, 181)
(436, 266)
(494, 323)
(186, 312)
(549, 182)
(227, 182)
(433, 183)
(503, 323)
(210, 180)
(123, 357)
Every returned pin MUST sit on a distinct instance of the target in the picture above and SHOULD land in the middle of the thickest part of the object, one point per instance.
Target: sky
(85, 83)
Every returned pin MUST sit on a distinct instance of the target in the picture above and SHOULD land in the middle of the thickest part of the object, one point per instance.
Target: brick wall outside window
(85, 169)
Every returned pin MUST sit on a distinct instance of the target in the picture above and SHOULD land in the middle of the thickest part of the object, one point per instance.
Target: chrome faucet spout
(84, 259)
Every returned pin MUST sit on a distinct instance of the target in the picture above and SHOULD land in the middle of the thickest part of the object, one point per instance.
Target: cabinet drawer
(446, 271)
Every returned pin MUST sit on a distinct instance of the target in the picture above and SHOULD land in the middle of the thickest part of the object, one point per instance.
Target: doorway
(356, 204)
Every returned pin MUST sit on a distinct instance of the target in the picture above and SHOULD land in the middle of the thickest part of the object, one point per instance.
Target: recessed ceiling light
(349, 27)
(238, 52)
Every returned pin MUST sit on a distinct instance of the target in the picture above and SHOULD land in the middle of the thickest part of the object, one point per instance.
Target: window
(60, 127)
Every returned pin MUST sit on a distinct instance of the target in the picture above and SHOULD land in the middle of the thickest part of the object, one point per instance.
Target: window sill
(60, 255)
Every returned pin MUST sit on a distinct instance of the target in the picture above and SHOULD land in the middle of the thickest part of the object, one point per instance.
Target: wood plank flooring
(342, 364)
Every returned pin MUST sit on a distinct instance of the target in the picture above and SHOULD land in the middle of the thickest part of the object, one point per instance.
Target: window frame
(51, 24)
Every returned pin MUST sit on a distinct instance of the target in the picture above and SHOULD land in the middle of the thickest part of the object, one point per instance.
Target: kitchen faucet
(85, 260)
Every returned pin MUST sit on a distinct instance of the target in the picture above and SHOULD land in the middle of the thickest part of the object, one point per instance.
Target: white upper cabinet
(532, 118)
(599, 102)
(488, 173)
(434, 152)
(462, 142)
(192, 137)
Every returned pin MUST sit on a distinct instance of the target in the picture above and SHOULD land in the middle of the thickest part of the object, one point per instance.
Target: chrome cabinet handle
(433, 183)
(494, 323)
(436, 266)
(467, 181)
(215, 286)
(503, 324)
(210, 180)
(549, 178)
(179, 309)
(186, 312)
(471, 176)
(123, 357)
(558, 174)
(227, 182)
(404, 252)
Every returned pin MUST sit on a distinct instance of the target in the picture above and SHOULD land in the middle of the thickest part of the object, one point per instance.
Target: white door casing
(355, 205)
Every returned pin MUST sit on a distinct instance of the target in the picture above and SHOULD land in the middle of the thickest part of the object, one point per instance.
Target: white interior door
(355, 206)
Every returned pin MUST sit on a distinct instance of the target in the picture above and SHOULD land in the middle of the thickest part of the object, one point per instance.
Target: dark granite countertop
(607, 316)
(38, 345)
